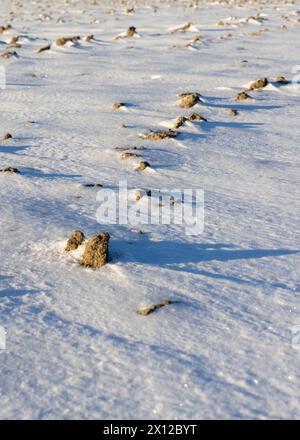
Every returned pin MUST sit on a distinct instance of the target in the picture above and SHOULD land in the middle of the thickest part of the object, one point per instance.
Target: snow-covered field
(75, 345)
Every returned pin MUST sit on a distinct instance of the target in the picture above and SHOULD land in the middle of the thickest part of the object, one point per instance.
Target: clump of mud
(232, 112)
(7, 136)
(259, 84)
(96, 252)
(75, 240)
(64, 40)
(129, 155)
(158, 135)
(5, 28)
(180, 121)
(145, 311)
(92, 185)
(131, 31)
(130, 148)
(44, 48)
(88, 38)
(118, 105)
(242, 96)
(196, 117)
(281, 80)
(188, 100)
(183, 28)
(9, 170)
(143, 165)
(9, 54)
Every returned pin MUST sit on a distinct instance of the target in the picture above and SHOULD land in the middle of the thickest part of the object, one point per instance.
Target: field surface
(227, 346)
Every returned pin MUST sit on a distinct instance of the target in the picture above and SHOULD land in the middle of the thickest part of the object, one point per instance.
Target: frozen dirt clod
(180, 121)
(131, 31)
(183, 28)
(157, 135)
(75, 240)
(129, 155)
(92, 185)
(143, 165)
(259, 84)
(96, 251)
(118, 105)
(10, 170)
(232, 112)
(281, 80)
(145, 311)
(188, 101)
(88, 38)
(64, 40)
(242, 96)
(9, 54)
(130, 148)
(196, 117)
(44, 48)
(7, 136)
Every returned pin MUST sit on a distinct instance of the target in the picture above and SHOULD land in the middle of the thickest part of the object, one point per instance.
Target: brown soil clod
(96, 252)
(180, 121)
(259, 84)
(158, 135)
(44, 48)
(75, 240)
(281, 80)
(5, 28)
(130, 148)
(88, 38)
(138, 195)
(129, 155)
(189, 100)
(196, 117)
(9, 54)
(64, 40)
(143, 165)
(145, 311)
(131, 31)
(9, 170)
(93, 185)
(183, 28)
(232, 112)
(7, 136)
(118, 105)
(242, 96)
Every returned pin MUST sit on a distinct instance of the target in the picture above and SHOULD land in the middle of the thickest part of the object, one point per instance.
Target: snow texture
(75, 345)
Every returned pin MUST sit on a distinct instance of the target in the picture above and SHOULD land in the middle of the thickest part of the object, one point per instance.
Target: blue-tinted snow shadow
(172, 254)
(12, 292)
(13, 150)
(50, 175)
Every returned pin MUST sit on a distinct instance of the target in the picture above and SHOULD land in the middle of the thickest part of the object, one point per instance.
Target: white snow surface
(75, 345)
